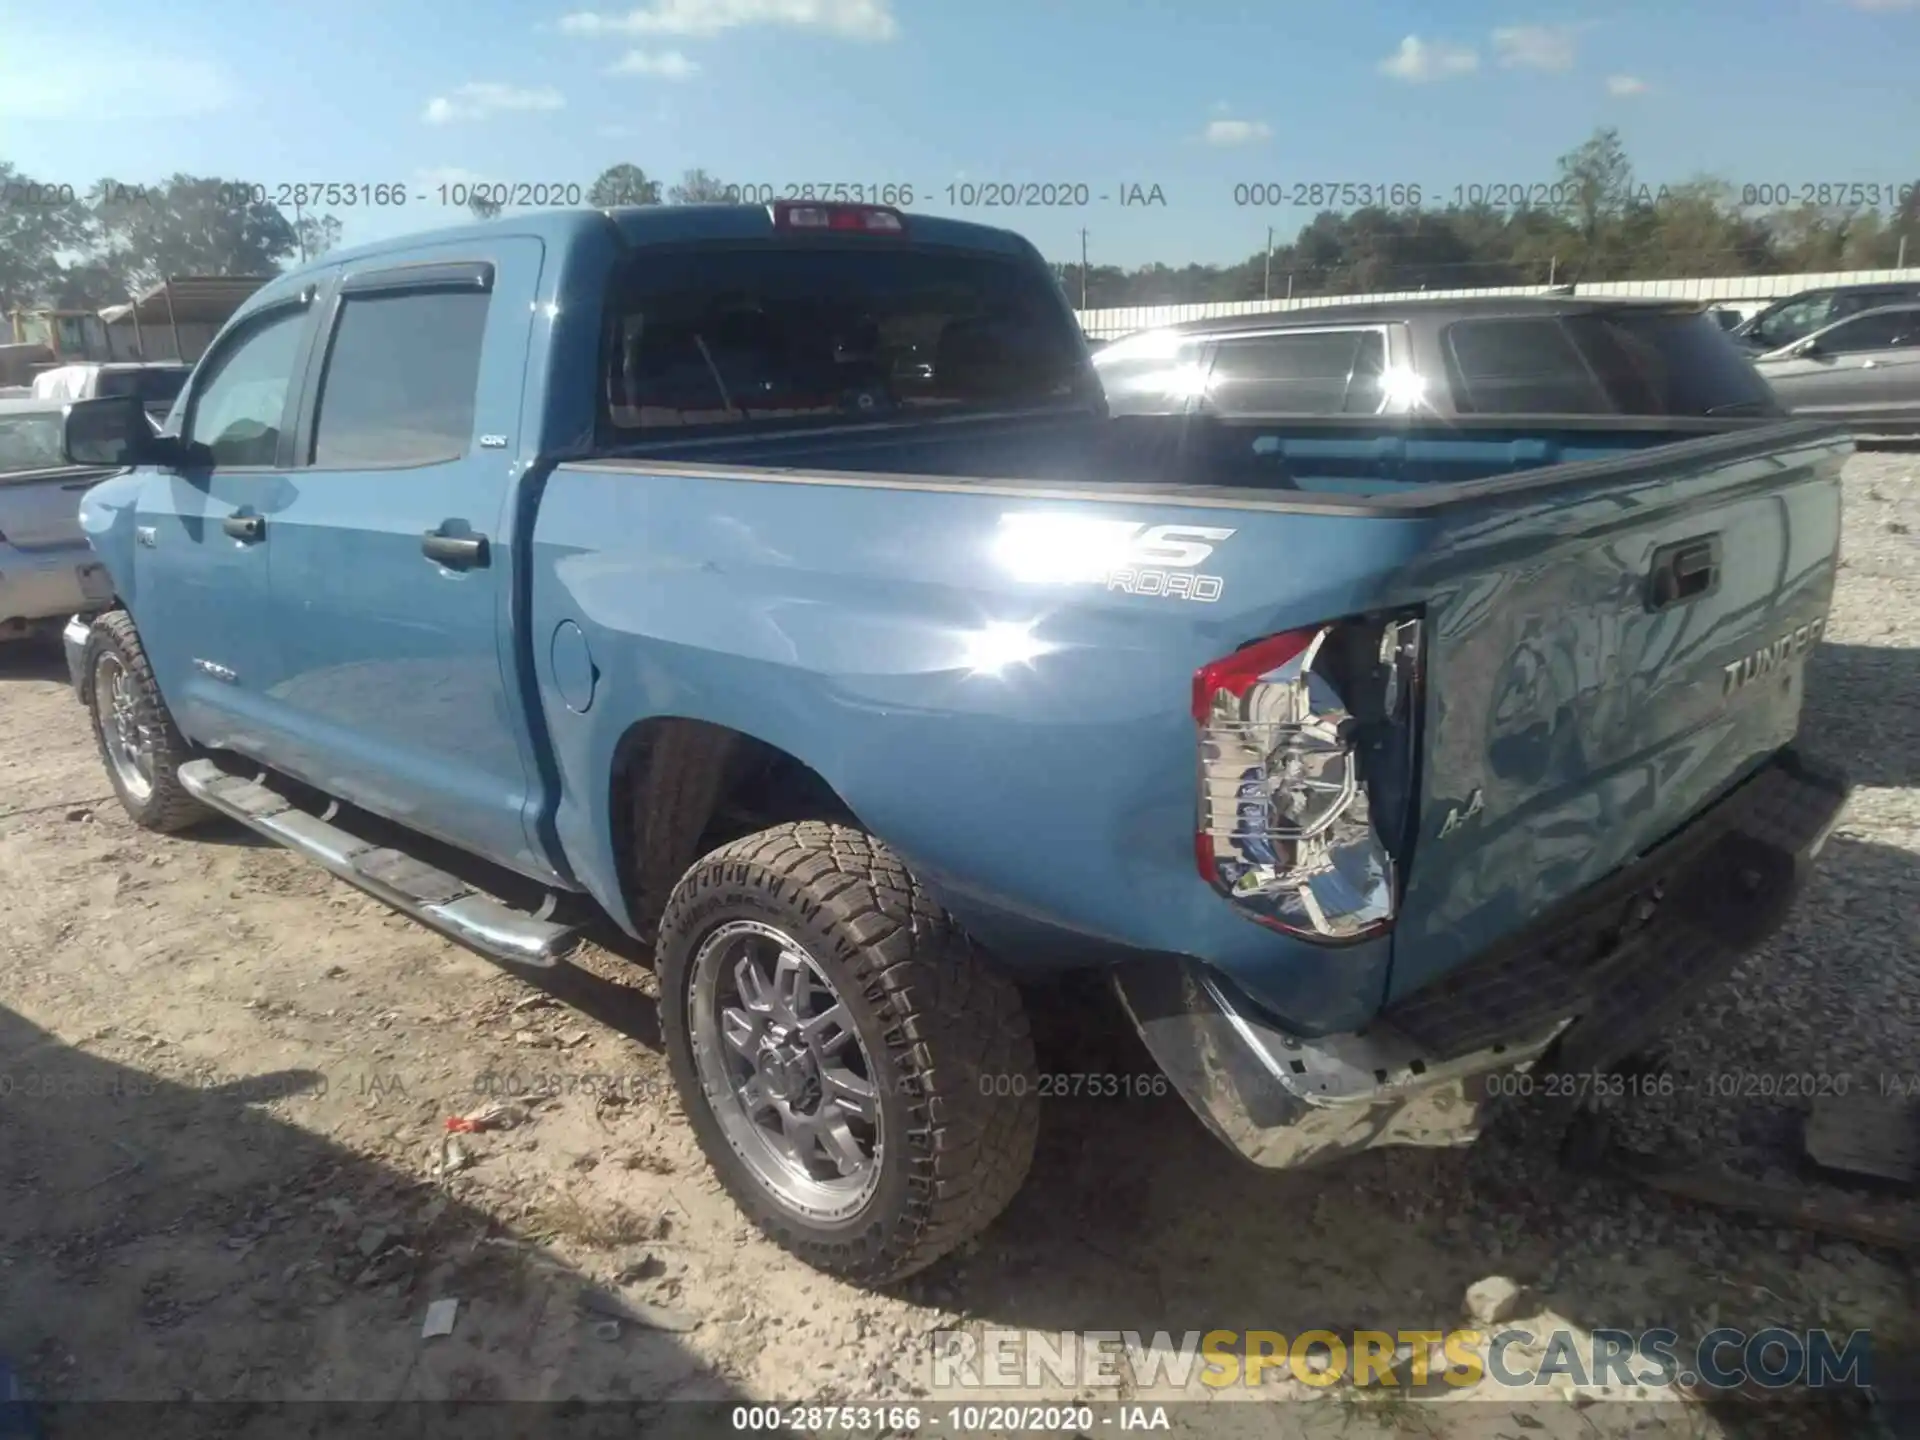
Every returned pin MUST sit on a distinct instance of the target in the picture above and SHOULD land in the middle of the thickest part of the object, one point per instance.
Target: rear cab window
(771, 334)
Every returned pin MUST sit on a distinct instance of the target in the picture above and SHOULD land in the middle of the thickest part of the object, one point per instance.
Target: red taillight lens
(806, 215)
(1238, 671)
(1286, 829)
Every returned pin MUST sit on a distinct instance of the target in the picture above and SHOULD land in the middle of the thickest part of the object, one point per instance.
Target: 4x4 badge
(1456, 817)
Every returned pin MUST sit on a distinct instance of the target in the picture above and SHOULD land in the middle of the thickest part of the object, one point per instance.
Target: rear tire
(139, 743)
(898, 1118)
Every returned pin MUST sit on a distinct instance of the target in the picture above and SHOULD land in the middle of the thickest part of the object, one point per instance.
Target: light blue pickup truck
(774, 581)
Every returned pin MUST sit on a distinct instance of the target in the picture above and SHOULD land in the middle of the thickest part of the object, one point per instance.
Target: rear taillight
(1306, 753)
(807, 215)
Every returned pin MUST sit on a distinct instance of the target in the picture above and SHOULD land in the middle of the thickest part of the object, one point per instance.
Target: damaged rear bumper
(1581, 987)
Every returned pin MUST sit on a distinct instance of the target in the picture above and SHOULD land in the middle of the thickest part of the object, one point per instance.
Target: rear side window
(778, 333)
(1885, 331)
(1326, 372)
(1657, 363)
(1519, 367)
(400, 381)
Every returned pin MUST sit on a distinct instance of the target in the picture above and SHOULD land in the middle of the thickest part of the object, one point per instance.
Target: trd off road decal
(1118, 555)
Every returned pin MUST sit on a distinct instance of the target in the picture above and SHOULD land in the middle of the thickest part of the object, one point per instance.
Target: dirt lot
(224, 1081)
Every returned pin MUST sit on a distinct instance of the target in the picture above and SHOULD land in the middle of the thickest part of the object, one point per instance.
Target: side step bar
(432, 896)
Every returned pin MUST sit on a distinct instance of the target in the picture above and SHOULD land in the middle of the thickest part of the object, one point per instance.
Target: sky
(1195, 99)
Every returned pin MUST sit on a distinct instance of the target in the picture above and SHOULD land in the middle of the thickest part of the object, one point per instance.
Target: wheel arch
(680, 787)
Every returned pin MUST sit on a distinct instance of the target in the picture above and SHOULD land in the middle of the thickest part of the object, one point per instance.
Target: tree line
(1608, 225)
(85, 250)
(88, 250)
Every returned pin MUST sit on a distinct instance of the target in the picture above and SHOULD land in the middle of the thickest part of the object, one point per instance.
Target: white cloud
(848, 19)
(481, 98)
(1626, 85)
(1238, 132)
(1418, 60)
(659, 64)
(1535, 47)
(64, 82)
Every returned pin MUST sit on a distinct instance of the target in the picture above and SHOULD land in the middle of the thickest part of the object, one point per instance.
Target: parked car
(156, 383)
(1798, 316)
(1456, 358)
(1364, 759)
(1864, 370)
(47, 570)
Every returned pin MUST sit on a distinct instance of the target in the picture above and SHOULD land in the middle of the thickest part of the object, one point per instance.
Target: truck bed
(1297, 462)
(827, 595)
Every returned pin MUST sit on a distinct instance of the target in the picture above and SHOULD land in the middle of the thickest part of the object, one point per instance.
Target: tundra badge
(1768, 658)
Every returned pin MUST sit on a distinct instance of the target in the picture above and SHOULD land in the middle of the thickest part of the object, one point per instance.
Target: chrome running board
(446, 903)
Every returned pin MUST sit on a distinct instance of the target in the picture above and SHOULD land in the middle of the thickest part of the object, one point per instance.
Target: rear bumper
(48, 584)
(74, 639)
(1582, 986)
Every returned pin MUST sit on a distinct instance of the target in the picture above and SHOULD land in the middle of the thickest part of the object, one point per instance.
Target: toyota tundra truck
(773, 582)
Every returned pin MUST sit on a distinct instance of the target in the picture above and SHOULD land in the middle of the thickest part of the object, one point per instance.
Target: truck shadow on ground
(1135, 1217)
(31, 659)
(1863, 703)
(167, 1241)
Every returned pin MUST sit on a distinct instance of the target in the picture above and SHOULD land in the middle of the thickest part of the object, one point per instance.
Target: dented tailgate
(1604, 663)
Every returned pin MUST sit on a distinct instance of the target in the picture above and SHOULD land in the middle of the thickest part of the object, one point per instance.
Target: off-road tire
(167, 807)
(947, 1034)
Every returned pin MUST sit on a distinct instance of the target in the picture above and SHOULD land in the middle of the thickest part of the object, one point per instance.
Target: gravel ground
(230, 1179)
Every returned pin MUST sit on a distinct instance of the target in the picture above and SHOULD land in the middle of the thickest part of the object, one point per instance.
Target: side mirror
(110, 431)
(1806, 347)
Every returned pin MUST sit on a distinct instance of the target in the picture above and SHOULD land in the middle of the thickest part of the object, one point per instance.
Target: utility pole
(1266, 286)
(1083, 269)
(300, 231)
(1901, 263)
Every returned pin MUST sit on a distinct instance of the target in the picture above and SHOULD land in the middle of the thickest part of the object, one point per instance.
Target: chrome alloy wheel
(785, 1071)
(128, 745)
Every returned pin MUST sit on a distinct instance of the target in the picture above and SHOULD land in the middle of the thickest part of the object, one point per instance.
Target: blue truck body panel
(840, 595)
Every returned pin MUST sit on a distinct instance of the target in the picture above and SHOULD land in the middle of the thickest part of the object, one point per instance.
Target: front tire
(860, 1079)
(139, 743)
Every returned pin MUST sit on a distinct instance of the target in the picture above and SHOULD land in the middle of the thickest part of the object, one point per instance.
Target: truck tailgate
(40, 510)
(1603, 662)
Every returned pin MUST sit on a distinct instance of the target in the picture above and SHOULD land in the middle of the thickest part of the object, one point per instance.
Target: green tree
(1596, 179)
(697, 187)
(189, 225)
(317, 234)
(484, 207)
(38, 226)
(623, 185)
